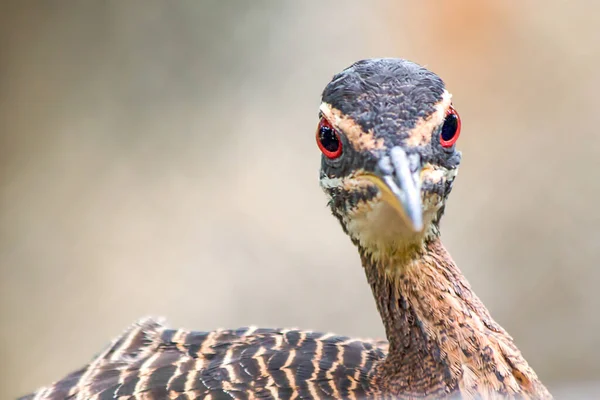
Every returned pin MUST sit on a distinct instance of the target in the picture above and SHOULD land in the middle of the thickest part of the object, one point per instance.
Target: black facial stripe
(341, 200)
(435, 153)
(448, 160)
(438, 188)
(350, 161)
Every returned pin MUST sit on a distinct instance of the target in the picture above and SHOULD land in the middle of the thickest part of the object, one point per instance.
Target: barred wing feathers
(150, 361)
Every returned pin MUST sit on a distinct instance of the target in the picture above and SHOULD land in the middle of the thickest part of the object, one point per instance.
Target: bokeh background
(158, 158)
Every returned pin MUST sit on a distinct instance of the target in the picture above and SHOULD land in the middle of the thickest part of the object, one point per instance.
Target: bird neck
(440, 334)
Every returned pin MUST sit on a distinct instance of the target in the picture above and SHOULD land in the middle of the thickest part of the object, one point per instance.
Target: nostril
(414, 162)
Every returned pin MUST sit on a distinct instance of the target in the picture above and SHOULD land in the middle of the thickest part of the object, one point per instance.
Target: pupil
(328, 139)
(449, 127)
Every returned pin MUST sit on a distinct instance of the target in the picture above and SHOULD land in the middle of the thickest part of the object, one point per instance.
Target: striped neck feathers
(442, 338)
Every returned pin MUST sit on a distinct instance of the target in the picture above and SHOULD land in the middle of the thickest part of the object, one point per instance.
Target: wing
(150, 361)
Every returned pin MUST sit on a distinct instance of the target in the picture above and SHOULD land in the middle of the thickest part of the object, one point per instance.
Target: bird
(387, 132)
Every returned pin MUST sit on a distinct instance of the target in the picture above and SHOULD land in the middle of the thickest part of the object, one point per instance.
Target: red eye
(328, 140)
(450, 129)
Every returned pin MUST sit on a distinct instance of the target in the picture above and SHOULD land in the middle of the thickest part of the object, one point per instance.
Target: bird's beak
(397, 177)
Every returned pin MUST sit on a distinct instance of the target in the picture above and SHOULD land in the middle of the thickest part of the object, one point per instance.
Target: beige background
(158, 158)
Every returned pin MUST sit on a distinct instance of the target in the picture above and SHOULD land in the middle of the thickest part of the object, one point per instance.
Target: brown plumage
(151, 361)
(387, 134)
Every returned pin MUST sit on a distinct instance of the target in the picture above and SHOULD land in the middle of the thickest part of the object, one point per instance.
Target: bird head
(387, 133)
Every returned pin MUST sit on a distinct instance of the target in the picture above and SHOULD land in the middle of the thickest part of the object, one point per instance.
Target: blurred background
(158, 158)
